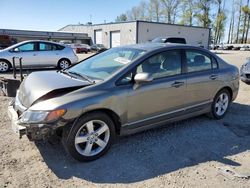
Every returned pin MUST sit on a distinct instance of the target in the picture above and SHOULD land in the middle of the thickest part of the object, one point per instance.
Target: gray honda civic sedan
(122, 91)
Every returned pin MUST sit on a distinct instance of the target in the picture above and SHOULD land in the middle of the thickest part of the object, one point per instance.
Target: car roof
(26, 41)
(154, 46)
(41, 41)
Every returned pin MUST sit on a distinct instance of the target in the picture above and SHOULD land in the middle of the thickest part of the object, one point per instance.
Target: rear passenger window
(197, 61)
(59, 47)
(46, 47)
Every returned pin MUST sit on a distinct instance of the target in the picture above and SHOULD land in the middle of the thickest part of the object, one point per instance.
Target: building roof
(15, 32)
(150, 22)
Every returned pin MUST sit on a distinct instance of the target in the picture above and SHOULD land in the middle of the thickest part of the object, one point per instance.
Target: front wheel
(220, 104)
(90, 137)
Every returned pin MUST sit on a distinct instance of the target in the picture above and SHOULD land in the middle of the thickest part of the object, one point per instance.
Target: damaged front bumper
(18, 129)
(32, 131)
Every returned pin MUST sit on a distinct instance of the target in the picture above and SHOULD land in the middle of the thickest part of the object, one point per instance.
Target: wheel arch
(7, 62)
(229, 89)
(63, 58)
(110, 113)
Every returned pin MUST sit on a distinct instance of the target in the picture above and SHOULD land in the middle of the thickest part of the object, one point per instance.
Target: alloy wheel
(92, 138)
(64, 64)
(221, 104)
(4, 66)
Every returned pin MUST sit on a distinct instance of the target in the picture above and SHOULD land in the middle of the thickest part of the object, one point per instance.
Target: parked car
(98, 48)
(229, 47)
(245, 71)
(36, 53)
(169, 40)
(81, 48)
(245, 48)
(122, 91)
(213, 46)
(236, 48)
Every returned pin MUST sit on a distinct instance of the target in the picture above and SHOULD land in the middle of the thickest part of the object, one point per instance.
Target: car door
(161, 98)
(203, 79)
(28, 52)
(48, 54)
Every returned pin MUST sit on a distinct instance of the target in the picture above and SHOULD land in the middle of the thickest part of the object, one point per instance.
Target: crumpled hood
(39, 84)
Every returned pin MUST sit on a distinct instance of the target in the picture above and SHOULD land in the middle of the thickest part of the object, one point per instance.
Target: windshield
(107, 63)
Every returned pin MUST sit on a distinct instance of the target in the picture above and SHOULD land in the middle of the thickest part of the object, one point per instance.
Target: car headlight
(30, 116)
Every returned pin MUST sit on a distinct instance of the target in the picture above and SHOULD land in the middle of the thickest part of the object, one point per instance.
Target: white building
(123, 33)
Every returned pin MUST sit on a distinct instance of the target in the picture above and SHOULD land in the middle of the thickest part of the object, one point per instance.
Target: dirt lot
(194, 153)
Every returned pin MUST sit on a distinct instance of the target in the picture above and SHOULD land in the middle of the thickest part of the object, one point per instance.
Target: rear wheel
(4, 66)
(90, 137)
(63, 64)
(220, 104)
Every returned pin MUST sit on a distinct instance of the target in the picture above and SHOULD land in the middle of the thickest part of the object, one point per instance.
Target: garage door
(115, 39)
(98, 36)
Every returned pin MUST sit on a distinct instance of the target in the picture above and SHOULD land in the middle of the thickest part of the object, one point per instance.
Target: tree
(231, 26)
(248, 25)
(154, 10)
(121, 18)
(170, 9)
(138, 12)
(239, 21)
(204, 17)
(220, 21)
(188, 11)
(245, 11)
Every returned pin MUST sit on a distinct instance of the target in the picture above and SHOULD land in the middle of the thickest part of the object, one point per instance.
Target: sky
(51, 15)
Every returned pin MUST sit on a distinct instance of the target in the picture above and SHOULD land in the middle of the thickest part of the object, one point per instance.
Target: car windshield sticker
(122, 60)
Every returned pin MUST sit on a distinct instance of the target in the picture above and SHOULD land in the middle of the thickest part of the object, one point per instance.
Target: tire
(220, 104)
(4, 65)
(63, 63)
(90, 137)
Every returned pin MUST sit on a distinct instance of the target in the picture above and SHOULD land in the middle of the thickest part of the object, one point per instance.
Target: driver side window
(162, 65)
(26, 47)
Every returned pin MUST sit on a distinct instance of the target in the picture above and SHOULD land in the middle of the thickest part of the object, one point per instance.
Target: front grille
(248, 75)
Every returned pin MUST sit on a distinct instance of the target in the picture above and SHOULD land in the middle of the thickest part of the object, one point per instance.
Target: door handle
(34, 54)
(177, 84)
(213, 77)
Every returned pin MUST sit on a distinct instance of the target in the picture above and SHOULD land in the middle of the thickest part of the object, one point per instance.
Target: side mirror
(141, 78)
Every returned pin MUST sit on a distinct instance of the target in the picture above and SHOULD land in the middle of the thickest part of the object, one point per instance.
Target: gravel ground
(198, 152)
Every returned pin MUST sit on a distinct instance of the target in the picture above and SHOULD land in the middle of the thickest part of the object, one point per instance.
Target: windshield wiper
(81, 75)
(67, 73)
